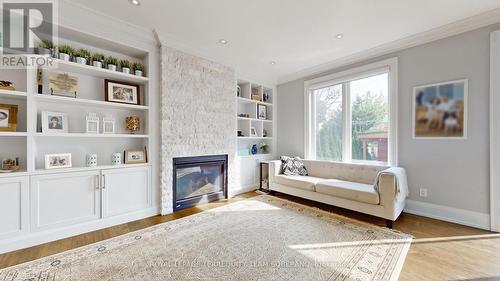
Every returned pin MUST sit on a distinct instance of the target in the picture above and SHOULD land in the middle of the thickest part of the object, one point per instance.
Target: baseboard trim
(37, 238)
(243, 189)
(449, 214)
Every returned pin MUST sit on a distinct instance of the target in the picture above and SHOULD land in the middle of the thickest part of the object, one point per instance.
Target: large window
(351, 116)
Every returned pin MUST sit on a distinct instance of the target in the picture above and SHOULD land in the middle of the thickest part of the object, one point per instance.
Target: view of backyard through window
(369, 116)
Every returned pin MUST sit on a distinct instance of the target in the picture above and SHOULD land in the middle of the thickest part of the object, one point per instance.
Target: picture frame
(135, 156)
(439, 110)
(58, 161)
(63, 84)
(261, 112)
(122, 92)
(54, 122)
(8, 117)
(253, 132)
(92, 123)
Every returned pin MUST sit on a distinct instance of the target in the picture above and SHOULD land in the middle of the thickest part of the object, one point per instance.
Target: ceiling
(296, 34)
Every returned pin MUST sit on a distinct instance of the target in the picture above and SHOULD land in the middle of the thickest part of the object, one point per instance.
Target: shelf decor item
(138, 69)
(253, 132)
(125, 65)
(133, 123)
(111, 63)
(54, 122)
(116, 159)
(264, 133)
(58, 161)
(263, 147)
(82, 56)
(91, 160)
(65, 52)
(108, 124)
(7, 85)
(238, 91)
(8, 117)
(10, 165)
(136, 156)
(44, 47)
(261, 112)
(97, 60)
(92, 123)
(254, 149)
(63, 84)
(256, 97)
(121, 92)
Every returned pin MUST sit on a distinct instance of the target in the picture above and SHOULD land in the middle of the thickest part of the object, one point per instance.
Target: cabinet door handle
(97, 182)
(103, 181)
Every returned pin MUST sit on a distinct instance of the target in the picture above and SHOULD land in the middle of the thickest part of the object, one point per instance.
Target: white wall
(455, 172)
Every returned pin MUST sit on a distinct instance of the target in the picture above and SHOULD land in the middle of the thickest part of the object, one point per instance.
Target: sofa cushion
(343, 171)
(301, 182)
(349, 190)
(293, 166)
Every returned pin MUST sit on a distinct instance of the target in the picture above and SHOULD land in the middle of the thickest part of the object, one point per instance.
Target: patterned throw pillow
(293, 166)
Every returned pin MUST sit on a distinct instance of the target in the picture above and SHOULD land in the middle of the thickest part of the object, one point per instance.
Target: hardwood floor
(440, 250)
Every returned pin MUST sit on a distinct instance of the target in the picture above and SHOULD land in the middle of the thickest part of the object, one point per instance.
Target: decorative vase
(112, 67)
(91, 160)
(116, 159)
(63, 56)
(254, 149)
(138, 72)
(126, 70)
(133, 123)
(81, 60)
(97, 64)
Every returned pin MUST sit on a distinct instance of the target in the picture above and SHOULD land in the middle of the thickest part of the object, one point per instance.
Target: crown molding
(448, 30)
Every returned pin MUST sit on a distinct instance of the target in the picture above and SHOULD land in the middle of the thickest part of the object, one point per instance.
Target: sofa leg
(389, 224)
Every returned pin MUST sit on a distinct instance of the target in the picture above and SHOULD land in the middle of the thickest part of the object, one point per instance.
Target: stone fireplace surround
(198, 115)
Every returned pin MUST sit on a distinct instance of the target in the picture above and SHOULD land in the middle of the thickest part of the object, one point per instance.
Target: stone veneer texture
(198, 114)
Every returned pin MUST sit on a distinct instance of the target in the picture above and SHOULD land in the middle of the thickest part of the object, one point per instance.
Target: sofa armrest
(274, 169)
(392, 185)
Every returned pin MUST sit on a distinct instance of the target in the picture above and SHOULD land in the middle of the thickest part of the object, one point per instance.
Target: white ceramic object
(97, 64)
(91, 160)
(126, 70)
(63, 56)
(81, 60)
(112, 67)
(116, 159)
(138, 72)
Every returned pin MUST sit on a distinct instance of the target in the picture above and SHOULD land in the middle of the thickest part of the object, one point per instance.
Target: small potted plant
(111, 63)
(138, 68)
(263, 147)
(82, 56)
(97, 60)
(65, 52)
(125, 64)
(44, 47)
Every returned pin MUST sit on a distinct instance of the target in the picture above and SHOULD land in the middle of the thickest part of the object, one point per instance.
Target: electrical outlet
(423, 192)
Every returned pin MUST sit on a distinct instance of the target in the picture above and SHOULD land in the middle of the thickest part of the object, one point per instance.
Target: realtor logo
(24, 26)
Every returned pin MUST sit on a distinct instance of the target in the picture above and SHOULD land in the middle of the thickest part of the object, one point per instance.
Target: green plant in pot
(65, 52)
(82, 56)
(111, 63)
(44, 47)
(138, 69)
(125, 64)
(263, 147)
(98, 60)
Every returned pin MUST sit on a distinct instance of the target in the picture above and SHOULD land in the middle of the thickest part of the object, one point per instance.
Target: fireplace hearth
(199, 179)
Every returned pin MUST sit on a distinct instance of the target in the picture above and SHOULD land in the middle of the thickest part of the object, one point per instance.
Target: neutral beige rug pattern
(262, 238)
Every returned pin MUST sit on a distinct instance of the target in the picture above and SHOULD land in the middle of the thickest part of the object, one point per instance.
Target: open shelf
(92, 103)
(245, 100)
(255, 138)
(85, 135)
(13, 134)
(80, 169)
(12, 94)
(255, 155)
(253, 119)
(83, 69)
(18, 173)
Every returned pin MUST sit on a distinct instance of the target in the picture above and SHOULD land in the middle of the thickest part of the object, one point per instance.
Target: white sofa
(376, 190)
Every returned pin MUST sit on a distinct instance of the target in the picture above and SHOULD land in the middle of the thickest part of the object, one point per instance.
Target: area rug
(261, 238)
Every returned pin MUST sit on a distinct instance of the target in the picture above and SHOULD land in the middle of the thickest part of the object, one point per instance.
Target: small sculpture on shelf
(92, 123)
(116, 159)
(133, 123)
(91, 160)
(254, 149)
(10, 165)
(108, 124)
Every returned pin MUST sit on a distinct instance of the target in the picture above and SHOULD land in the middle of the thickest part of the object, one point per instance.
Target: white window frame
(389, 66)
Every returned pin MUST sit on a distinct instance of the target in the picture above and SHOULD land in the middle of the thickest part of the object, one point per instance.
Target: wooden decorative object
(133, 123)
(63, 84)
(8, 117)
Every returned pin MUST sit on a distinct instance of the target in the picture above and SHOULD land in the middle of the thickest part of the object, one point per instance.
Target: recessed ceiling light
(223, 41)
(339, 36)
(135, 2)
(272, 62)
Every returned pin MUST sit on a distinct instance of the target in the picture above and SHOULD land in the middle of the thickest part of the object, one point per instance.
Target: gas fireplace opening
(198, 180)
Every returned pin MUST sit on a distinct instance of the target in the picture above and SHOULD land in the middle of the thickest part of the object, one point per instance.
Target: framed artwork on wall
(440, 110)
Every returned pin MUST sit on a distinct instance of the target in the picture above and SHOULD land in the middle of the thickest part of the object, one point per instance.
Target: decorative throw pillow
(293, 166)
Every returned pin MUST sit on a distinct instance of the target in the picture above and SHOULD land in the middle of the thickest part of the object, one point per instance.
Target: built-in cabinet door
(14, 208)
(126, 190)
(64, 199)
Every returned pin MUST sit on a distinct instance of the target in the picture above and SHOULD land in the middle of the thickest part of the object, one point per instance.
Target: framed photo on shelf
(8, 117)
(136, 156)
(54, 122)
(261, 112)
(122, 92)
(58, 161)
